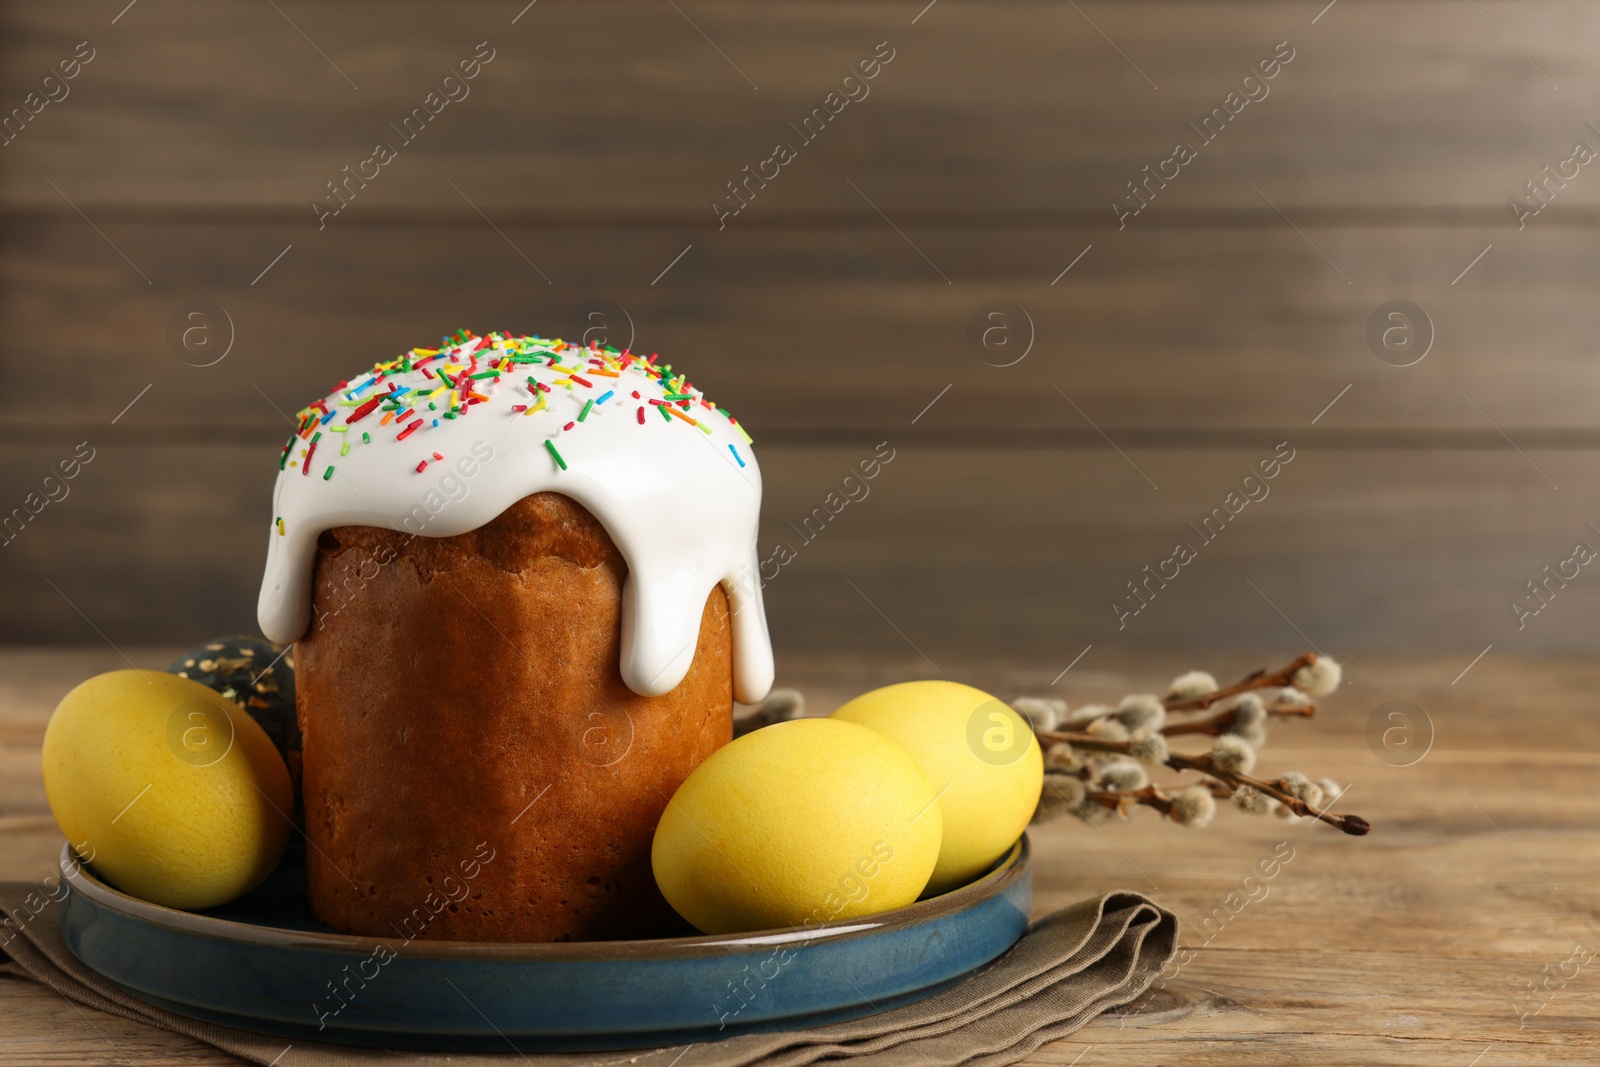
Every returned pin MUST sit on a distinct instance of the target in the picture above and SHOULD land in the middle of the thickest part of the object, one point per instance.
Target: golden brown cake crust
(465, 718)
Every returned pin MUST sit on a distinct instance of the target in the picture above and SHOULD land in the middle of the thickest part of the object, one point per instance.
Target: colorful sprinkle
(365, 409)
(400, 388)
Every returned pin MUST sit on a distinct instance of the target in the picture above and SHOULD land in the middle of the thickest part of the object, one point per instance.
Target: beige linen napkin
(1069, 967)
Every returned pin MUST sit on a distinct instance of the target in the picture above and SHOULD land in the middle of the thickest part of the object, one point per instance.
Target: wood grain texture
(812, 333)
(969, 553)
(1405, 947)
(1025, 107)
(1189, 343)
(834, 308)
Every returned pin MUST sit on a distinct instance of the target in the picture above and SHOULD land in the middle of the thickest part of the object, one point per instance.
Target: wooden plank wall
(578, 171)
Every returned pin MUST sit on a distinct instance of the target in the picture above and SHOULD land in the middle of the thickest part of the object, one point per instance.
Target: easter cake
(520, 580)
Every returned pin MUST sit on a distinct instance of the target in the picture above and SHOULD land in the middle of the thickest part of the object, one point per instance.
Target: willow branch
(1120, 801)
(1350, 824)
(1259, 679)
(1219, 723)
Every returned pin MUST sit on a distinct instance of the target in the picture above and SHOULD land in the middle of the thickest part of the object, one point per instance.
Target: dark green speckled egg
(258, 676)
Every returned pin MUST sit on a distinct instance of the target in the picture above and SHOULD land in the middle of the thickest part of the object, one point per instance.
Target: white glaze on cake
(674, 498)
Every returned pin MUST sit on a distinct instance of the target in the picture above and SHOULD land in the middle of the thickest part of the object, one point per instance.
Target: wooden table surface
(1416, 945)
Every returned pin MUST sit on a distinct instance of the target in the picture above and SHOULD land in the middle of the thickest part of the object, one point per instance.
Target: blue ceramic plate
(263, 963)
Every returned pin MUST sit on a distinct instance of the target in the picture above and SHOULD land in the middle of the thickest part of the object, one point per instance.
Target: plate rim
(1009, 869)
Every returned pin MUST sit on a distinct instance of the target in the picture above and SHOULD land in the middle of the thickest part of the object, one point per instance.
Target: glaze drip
(441, 441)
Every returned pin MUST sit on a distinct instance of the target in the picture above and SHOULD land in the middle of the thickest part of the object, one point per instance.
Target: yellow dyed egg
(171, 791)
(798, 823)
(979, 755)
